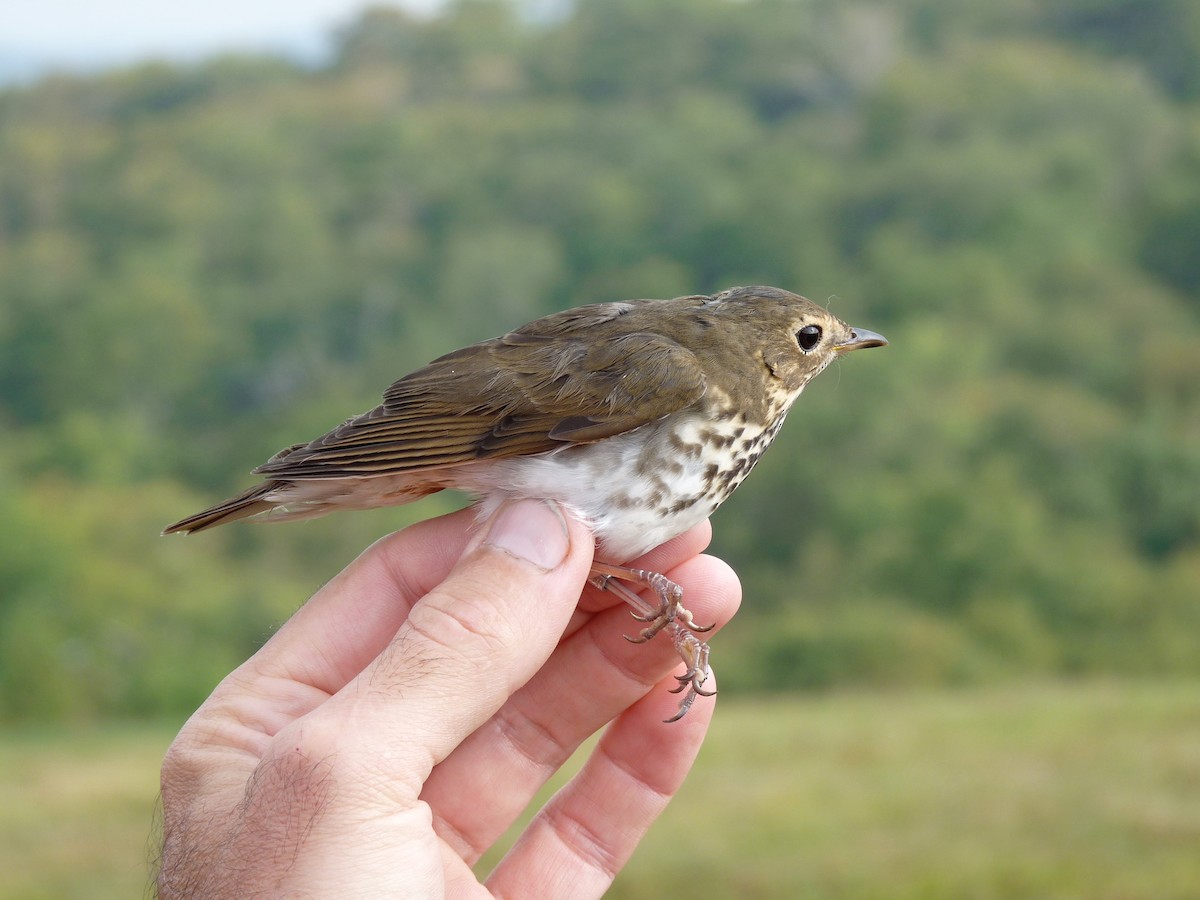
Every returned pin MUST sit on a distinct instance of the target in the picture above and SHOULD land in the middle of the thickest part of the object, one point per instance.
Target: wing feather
(572, 378)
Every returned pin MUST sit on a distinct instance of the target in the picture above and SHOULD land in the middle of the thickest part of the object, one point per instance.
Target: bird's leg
(670, 596)
(669, 614)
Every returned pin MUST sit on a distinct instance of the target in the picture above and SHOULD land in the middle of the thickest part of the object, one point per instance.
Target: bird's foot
(670, 614)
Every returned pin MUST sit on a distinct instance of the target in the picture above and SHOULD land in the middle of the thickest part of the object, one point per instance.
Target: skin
(394, 727)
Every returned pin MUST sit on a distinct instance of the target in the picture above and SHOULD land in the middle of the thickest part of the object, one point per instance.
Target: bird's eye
(808, 337)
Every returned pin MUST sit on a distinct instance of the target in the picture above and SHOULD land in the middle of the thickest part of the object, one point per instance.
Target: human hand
(397, 724)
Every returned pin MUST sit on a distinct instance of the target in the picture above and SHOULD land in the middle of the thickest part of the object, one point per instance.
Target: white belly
(636, 490)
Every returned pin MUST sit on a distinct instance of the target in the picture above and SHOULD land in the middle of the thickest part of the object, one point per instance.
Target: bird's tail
(248, 503)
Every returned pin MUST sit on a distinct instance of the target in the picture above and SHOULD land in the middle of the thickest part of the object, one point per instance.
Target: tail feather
(248, 503)
(284, 500)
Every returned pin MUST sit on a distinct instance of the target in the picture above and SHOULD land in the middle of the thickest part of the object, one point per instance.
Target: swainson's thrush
(642, 417)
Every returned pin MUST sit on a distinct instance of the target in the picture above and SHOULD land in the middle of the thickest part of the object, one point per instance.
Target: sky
(37, 36)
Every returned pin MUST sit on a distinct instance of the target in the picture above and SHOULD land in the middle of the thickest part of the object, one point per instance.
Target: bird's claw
(694, 653)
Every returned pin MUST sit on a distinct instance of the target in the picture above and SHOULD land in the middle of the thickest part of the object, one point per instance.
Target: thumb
(469, 643)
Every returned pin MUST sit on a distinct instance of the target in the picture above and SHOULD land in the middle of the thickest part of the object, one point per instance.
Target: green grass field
(1089, 790)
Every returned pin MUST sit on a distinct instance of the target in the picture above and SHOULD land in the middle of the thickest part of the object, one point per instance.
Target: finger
(590, 679)
(582, 838)
(350, 620)
(465, 646)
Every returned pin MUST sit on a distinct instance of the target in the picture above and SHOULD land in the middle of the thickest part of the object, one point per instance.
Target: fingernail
(533, 530)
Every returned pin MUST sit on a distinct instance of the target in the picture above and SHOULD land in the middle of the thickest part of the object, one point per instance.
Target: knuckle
(463, 617)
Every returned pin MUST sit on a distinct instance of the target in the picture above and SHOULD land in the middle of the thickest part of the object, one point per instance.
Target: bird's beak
(859, 339)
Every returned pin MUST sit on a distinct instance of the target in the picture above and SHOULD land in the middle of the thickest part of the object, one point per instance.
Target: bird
(639, 416)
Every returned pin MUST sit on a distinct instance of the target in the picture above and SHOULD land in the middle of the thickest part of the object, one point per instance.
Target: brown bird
(642, 417)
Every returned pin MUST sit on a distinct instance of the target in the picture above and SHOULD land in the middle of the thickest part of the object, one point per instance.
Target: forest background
(201, 264)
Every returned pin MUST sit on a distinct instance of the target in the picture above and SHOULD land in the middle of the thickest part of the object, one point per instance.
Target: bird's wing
(531, 391)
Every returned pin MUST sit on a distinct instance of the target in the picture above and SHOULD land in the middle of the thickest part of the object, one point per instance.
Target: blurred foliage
(201, 264)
